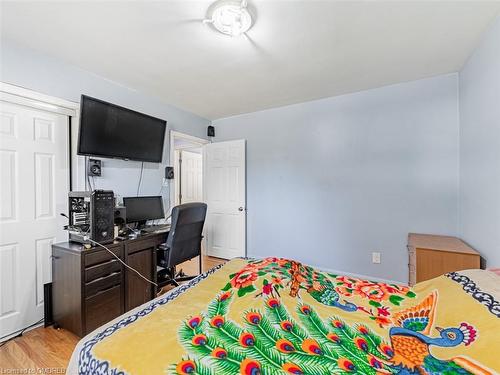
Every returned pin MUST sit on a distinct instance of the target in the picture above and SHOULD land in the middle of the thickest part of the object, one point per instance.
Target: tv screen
(112, 131)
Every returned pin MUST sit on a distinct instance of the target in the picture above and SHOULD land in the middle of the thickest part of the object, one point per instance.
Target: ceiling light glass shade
(230, 17)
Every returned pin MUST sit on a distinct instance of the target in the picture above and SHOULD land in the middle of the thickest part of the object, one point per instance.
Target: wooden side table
(431, 256)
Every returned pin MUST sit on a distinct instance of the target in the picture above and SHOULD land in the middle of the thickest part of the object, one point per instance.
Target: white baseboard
(17, 333)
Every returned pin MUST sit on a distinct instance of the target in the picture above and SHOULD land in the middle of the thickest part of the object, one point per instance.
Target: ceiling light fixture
(230, 17)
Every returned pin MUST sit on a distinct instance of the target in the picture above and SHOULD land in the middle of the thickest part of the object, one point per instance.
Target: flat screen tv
(111, 131)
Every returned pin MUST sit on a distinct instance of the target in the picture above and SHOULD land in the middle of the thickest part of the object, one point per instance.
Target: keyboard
(156, 228)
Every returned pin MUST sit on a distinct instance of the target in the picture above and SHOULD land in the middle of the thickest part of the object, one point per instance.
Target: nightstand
(431, 256)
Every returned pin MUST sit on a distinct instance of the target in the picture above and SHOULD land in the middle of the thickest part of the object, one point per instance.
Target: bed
(278, 316)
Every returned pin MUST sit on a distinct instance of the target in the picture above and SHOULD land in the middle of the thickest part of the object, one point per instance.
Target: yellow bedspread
(277, 316)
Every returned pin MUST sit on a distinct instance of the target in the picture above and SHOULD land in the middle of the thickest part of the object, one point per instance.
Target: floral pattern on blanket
(278, 316)
(272, 341)
(328, 289)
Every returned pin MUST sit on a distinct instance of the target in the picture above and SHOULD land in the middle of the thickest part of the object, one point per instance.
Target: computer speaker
(120, 215)
(169, 173)
(94, 167)
(211, 131)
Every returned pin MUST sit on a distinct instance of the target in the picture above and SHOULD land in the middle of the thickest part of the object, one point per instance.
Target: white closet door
(33, 191)
(224, 182)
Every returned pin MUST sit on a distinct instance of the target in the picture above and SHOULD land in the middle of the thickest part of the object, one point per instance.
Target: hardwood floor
(48, 350)
(40, 348)
(191, 268)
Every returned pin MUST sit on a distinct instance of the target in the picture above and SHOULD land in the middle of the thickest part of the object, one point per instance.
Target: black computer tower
(91, 214)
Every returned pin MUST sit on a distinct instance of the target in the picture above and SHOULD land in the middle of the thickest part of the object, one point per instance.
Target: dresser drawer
(103, 307)
(140, 245)
(101, 256)
(432, 263)
(101, 270)
(103, 283)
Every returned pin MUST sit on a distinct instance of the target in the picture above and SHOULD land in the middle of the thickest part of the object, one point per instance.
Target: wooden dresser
(90, 287)
(431, 256)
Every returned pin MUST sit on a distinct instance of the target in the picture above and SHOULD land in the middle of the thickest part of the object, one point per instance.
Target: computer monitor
(141, 209)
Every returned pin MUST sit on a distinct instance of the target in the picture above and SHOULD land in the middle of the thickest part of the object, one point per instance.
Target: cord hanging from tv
(110, 131)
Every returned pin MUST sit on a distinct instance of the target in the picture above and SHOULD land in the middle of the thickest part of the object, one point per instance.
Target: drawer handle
(104, 277)
(111, 261)
(104, 290)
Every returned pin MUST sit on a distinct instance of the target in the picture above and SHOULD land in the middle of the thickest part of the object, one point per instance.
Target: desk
(90, 287)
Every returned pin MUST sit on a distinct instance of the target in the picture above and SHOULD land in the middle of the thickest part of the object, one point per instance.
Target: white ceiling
(296, 51)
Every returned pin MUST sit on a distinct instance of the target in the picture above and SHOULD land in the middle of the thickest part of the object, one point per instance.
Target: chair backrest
(184, 239)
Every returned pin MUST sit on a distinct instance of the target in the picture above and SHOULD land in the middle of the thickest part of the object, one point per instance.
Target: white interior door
(191, 176)
(33, 190)
(177, 172)
(225, 195)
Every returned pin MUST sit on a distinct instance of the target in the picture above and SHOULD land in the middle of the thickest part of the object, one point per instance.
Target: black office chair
(183, 242)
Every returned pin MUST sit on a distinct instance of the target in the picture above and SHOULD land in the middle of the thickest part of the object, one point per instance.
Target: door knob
(240, 209)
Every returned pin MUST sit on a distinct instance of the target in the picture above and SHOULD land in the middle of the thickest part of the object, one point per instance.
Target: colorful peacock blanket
(278, 316)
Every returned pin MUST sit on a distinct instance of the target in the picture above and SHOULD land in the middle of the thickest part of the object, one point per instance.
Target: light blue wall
(30, 69)
(332, 180)
(480, 148)
(329, 181)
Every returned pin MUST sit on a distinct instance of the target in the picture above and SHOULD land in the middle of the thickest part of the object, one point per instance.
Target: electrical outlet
(376, 257)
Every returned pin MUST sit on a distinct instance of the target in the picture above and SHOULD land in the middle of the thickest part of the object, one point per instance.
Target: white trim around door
(186, 137)
(20, 95)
